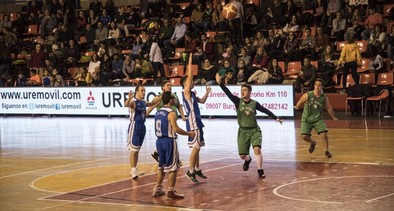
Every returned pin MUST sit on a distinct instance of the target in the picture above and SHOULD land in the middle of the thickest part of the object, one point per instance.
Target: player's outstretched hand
(219, 79)
(208, 88)
(335, 119)
(191, 134)
(279, 120)
(131, 94)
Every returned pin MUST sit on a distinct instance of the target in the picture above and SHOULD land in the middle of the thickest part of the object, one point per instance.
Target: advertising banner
(110, 100)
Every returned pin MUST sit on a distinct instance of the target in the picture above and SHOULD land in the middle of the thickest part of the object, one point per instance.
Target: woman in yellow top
(350, 59)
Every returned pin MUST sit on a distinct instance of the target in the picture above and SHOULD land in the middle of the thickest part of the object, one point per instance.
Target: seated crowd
(106, 45)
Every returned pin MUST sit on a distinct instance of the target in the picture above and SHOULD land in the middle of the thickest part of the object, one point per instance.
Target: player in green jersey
(249, 132)
(314, 102)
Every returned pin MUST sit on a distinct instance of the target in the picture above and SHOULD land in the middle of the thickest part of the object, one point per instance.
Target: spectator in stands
(206, 74)
(142, 68)
(37, 60)
(46, 79)
(377, 63)
(58, 59)
(81, 20)
(106, 73)
(308, 44)
(83, 77)
(9, 38)
(228, 78)
(292, 26)
(250, 20)
(65, 9)
(117, 65)
(333, 8)
(275, 72)
(290, 10)
(48, 23)
(94, 68)
(134, 18)
(156, 57)
(18, 26)
(196, 19)
(177, 39)
(191, 44)
(338, 27)
(137, 45)
(206, 50)
(65, 34)
(113, 34)
(110, 7)
(57, 79)
(321, 40)
(327, 65)
(243, 72)
(221, 23)
(120, 20)
(128, 68)
(89, 34)
(96, 6)
(46, 5)
(278, 11)
(260, 60)
(92, 19)
(145, 48)
(276, 46)
(350, 59)
(378, 38)
(307, 76)
(73, 54)
(229, 56)
(372, 19)
(356, 27)
(20, 80)
(105, 18)
(35, 79)
(236, 24)
(101, 32)
(166, 30)
(390, 44)
(5, 22)
(102, 50)
(144, 9)
(226, 66)
(244, 56)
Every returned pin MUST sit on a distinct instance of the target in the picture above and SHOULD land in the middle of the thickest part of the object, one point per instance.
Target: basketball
(229, 11)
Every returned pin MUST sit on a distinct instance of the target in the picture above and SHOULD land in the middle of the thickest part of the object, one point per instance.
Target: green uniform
(174, 107)
(312, 115)
(249, 132)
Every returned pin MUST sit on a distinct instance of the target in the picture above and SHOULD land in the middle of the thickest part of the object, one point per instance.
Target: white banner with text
(110, 100)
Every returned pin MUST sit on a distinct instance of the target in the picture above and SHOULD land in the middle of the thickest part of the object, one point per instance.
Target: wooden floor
(81, 163)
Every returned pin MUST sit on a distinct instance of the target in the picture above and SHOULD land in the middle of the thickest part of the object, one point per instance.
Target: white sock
(134, 169)
(259, 161)
(197, 168)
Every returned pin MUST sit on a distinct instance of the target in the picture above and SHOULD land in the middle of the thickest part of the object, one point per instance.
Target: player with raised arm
(193, 122)
(249, 132)
(137, 112)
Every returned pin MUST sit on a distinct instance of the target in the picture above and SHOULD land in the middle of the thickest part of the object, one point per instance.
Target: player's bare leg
(324, 137)
(308, 138)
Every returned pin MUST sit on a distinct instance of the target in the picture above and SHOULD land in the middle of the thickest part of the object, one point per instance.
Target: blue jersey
(139, 113)
(192, 111)
(162, 125)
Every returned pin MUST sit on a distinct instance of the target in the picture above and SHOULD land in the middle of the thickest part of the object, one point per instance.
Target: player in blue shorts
(166, 128)
(137, 111)
(193, 122)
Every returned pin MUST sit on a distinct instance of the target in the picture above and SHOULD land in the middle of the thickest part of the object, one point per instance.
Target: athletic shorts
(198, 140)
(319, 126)
(248, 137)
(136, 135)
(168, 154)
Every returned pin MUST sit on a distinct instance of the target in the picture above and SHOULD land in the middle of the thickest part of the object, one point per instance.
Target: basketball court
(82, 163)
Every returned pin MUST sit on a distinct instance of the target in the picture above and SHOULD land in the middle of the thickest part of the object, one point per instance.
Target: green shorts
(319, 126)
(248, 137)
